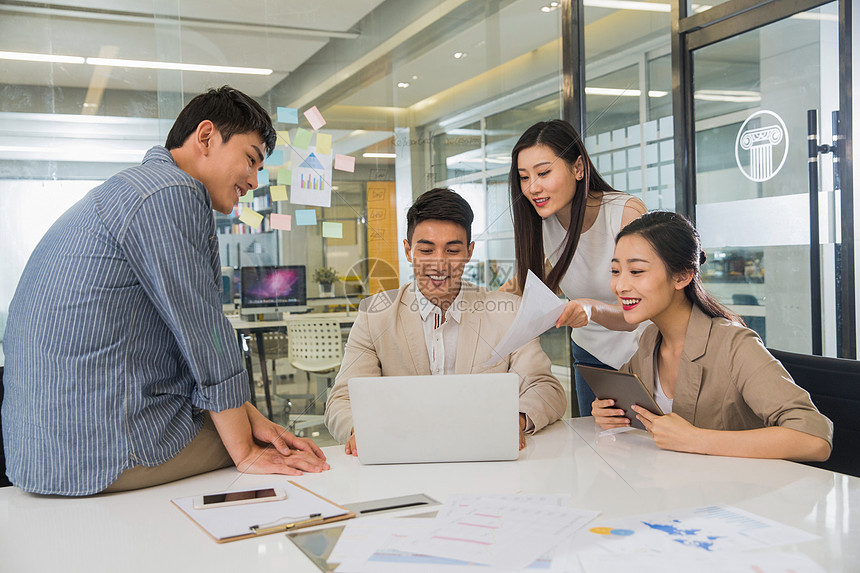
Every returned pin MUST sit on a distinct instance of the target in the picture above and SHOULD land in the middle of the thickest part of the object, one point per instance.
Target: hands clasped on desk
(260, 446)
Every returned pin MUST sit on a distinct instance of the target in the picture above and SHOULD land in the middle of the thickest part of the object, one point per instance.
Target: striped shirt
(116, 340)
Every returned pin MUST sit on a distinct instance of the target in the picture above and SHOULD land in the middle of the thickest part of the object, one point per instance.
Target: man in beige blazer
(439, 324)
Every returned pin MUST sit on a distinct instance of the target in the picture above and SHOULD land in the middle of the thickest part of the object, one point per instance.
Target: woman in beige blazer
(720, 389)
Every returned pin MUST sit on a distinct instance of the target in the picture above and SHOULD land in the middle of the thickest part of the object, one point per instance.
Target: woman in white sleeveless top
(566, 216)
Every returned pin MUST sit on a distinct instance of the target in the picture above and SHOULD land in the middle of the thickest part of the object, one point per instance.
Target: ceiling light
(459, 55)
(546, 9)
(176, 66)
(379, 155)
(734, 96)
(414, 77)
(403, 84)
(26, 57)
(622, 92)
(628, 5)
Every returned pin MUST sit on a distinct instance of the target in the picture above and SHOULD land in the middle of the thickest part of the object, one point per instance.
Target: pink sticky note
(315, 118)
(282, 222)
(344, 163)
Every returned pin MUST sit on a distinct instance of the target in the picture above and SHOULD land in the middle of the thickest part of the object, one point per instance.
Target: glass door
(752, 96)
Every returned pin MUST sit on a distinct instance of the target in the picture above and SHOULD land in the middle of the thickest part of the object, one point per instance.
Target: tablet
(626, 389)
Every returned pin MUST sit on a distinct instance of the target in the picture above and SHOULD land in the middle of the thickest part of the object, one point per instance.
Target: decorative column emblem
(762, 139)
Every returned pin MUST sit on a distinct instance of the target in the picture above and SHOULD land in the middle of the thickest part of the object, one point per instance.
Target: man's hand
(266, 431)
(608, 417)
(351, 449)
(243, 429)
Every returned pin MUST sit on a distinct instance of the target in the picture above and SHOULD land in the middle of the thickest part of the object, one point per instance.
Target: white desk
(621, 475)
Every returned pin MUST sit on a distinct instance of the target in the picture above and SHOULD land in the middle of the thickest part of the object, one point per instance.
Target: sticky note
(344, 162)
(262, 178)
(285, 176)
(315, 118)
(306, 216)
(248, 197)
(278, 192)
(251, 217)
(332, 230)
(282, 222)
(302, 139)
(323, 144)
(288, 115)
(276, 158)
(283, 138)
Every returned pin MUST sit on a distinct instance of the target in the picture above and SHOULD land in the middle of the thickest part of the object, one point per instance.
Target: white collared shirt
(440, 337)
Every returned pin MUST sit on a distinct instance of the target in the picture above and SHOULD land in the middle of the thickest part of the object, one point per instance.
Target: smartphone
(239, 497)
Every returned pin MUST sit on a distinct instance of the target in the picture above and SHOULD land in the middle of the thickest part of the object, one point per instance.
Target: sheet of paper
(315, 118)
(285, 176)
(281, 222)
(344, 163)
(703, 530)
(464, 501)
(332, 230)
(324, 143)
(311, 184)
(262, 178)
(498, 533)
(251, 217)
(236, 520)
(750, 561)
(538, 312)
(288, 115)
(276, 159)
(283, 137)
(302, 139)
(306, 217)
(278, 192)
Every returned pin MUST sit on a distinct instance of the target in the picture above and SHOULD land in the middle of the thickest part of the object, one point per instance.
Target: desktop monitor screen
(267, 289)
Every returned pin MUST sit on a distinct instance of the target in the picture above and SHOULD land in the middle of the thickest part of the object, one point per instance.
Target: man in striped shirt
(121, 369)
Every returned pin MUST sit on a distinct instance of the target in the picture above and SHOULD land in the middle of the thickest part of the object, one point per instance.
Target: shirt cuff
(229, 393)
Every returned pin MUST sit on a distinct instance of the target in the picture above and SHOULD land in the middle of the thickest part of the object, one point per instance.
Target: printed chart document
(539, 310)
(747, 562)
(704, 530)
(468, 531)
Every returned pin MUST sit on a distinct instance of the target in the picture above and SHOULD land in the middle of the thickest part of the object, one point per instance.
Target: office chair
(316, 346)
(276, 347)
(4, 481)
(834, 385)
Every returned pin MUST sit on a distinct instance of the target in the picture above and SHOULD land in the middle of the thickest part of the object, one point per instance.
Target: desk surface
(248, 325)
(620, 475)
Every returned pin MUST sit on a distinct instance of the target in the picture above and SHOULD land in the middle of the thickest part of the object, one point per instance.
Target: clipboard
(302, 508)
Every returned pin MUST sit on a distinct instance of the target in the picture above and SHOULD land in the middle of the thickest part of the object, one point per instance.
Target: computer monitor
(270, 289)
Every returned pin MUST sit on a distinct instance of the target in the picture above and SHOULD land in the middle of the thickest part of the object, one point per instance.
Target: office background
(427, 93)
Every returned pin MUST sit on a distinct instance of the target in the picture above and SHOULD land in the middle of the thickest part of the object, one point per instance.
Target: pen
(312, 519)
(401, 506)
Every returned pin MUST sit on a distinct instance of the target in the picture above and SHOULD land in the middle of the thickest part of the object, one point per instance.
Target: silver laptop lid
(455, 418)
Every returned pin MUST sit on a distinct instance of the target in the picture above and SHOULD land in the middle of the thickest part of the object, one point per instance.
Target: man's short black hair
(440, 205)
(231, 111)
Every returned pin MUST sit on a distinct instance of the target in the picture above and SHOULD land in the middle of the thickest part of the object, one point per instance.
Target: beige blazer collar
(690, 373)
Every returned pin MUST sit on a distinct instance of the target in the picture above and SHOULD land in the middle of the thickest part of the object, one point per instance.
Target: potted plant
(325, 277)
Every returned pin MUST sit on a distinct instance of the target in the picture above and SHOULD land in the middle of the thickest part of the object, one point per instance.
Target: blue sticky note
(306, 217)
(262, 178)
(288, 115)
(276, 159)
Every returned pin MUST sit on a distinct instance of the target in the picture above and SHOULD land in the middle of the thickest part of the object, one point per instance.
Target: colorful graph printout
(311, 183)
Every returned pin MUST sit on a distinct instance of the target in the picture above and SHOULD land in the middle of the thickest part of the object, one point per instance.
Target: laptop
(454, 418)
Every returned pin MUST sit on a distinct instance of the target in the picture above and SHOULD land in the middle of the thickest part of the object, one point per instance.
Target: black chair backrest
(834, 385)
(4, 481)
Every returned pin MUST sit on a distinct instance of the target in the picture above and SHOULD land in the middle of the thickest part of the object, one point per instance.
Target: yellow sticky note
(278, 192)
(285, 176)
(283, 138)
(251, 217)
(332, 230)
(323, 143)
